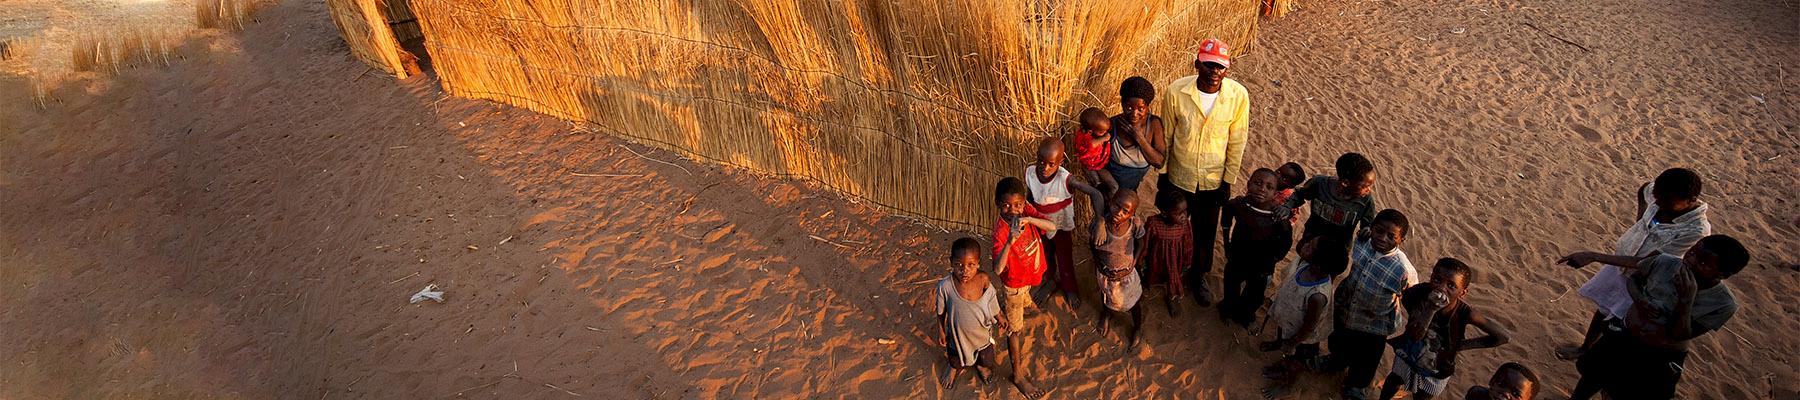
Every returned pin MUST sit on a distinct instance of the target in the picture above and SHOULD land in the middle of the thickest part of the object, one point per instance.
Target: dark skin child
(1121, 208)
(1290, 177)
(1315, 304)
(1012, 207)
(971, 283)
(1668, 207)
(1505, 385)
(1699, 271)
(1261, 193)
(1385, 236)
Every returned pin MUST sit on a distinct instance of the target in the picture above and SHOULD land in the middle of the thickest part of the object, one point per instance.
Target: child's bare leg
(1137, 324)
(1390, 386)
(1102, 317)
(1595, 327)
(1016, 345)
(984, 365)
(951, 374)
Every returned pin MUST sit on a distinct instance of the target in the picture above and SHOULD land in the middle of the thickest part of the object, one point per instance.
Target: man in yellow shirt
(1207, 119)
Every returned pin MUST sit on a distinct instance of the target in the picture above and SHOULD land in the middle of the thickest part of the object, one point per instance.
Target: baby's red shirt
(1092, 156)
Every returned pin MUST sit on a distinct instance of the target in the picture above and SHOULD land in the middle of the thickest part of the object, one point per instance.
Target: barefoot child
(1365, 305)
(967, 309)
(1050, 186)
(1115, 245)
(1674, 301)
(1019, 260)
(1256, 238)
(1299, 310)
(1093, 147)
(1437, 318)
(1339, 204)
(1513, 381)
(1168, 246)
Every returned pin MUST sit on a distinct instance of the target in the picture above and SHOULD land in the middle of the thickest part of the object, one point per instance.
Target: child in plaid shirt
(1367, 303)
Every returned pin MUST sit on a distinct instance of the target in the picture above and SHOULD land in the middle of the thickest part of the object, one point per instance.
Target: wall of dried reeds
(915, 105)
(365, 28)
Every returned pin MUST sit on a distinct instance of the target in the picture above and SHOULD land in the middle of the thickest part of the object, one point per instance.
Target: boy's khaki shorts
(1017, 299)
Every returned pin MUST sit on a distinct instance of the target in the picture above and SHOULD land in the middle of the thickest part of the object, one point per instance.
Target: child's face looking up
(1262, 188)
(1178, 212)
(1453, 285)
(1048, 165)
(964, 265)
(1122, 207)
(1701, 262)
(1385, 236)
(1357, 187)
(1510, 386)
(1012, 205)
(1290, 178)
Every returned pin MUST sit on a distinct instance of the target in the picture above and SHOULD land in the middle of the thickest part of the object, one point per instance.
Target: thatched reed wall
(915, 105)
(365, 28)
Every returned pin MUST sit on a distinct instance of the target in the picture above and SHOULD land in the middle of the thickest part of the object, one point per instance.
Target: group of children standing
(1351, 288)
(1381, 296)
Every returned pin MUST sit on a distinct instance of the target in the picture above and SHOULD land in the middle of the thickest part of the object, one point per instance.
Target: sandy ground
(248, 223)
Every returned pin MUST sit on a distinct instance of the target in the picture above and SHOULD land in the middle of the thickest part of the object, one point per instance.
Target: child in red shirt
(1019, 260)
(1093, 148)
(1291, 176)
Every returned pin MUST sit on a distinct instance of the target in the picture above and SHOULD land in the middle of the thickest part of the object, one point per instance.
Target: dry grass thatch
(915, 105)
(225, 14)
(111, 51)
(364, 26)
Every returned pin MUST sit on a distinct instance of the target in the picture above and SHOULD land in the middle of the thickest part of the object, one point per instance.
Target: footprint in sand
(1588, 133)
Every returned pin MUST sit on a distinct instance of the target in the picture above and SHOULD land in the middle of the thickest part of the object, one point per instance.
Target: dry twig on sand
(1560, 38)
(641, 155)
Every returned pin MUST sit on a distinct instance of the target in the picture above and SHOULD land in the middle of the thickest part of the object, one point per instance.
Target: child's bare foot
(1569, 353)
(986, 376)
(950, 375)
(1031, 391)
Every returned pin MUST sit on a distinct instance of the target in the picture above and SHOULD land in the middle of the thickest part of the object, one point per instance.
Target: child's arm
(1040, 223)
(1094, 197)
(1496, 334)
(1638, 196)
(1097, 231)
(1004, 250)
(1583, 258)
(1226, 215)
(1681, 324)
(1107, 181)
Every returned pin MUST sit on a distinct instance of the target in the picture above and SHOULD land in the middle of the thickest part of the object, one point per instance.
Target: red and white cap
(1214, 50)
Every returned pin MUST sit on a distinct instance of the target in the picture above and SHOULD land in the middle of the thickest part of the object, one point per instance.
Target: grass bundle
(914, 105)
(364, 26)
(225, 14)
(1278, 8)
(112, 51)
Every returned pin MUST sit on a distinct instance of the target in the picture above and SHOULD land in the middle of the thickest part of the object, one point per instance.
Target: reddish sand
(249, 222)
